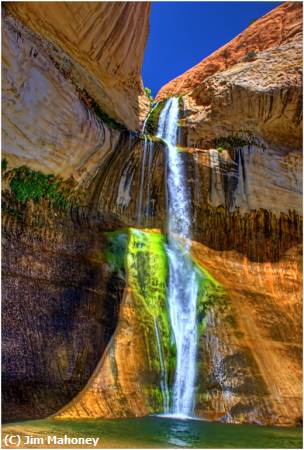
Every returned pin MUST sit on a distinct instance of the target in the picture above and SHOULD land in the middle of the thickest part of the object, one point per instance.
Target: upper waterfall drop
(178, 215)
(183, 281)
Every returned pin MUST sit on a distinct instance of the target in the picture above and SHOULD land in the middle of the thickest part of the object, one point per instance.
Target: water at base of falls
(183, 282)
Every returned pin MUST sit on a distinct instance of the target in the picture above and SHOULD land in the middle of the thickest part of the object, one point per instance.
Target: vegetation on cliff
(140, 256)
(149, 95)
(23, 185)
(154, 113)
(232, 142)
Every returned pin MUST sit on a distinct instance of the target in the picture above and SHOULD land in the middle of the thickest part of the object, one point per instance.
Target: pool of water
(157, 432)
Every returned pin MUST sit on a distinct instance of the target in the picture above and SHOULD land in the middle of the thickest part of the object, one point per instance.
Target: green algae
(140, 257)
(153, 118)
(147, 269)
(23, 185)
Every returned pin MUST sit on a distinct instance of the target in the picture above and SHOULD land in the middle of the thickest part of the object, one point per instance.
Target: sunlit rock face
(126, 382)
(241, 129)
(56, 116)
(63, 113)
(250, 353)
(240, 136)
(104, 43)
(262, 97)
(280, 26)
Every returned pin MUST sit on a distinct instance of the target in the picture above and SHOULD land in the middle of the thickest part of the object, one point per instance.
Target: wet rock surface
(66, 341)
(60, 305)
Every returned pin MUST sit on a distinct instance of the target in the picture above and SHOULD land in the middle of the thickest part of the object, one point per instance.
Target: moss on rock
(141, 257)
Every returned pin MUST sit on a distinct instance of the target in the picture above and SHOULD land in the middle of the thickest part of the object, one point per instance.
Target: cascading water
(143, 207)
(183, 282)
(142, 182)
(163, 371)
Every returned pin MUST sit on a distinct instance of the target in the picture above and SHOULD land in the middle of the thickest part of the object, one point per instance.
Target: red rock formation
(275, 28)
(251, 349)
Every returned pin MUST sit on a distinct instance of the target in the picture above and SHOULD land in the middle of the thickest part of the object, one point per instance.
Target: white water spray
(183, 282)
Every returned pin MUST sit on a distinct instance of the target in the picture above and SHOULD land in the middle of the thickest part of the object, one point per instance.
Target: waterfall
(163, 371)
(183, 282)
(143, 208)
(141, 184)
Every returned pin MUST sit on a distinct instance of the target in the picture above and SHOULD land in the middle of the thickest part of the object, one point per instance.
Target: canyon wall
(60, 115)
(60, 306)
(280, 26)
(71, 99)
(242, 136)
(101, 48)
(71, 93)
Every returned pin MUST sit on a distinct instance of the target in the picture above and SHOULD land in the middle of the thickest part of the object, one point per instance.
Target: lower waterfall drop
(163, 371)
(183, 282)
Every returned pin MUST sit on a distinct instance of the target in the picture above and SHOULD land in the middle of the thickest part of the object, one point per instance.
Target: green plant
(250, 56)
(148, 94)
(3, 165)
(231, 142)
(94, 106)
(27, 184)
(153, 117)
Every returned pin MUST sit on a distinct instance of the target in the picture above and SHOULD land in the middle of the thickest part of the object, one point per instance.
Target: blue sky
(184, 33)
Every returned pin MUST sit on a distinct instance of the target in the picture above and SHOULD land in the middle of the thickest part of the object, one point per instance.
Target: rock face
(242, 131)
(60, 306)
(65, 109)
(279, 26)
(262, 97)
(57, 117)
(250, 352)
(240, 140)
(119, 388)
(104, 42)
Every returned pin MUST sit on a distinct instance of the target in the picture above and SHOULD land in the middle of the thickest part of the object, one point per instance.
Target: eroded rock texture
(104, 43)
(60, 305)
(52, 119)
(118, 388)
(65, 110)
(250, 366)
(240, 130)
(242, 143)
(280, 26)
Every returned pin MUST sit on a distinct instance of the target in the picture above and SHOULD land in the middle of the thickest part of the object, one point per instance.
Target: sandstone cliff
(242, 136)
(71, 89)
(60, 304)
(240, 131)
(240, 139)
(278, 27)
(65, 105)
(103, 42)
